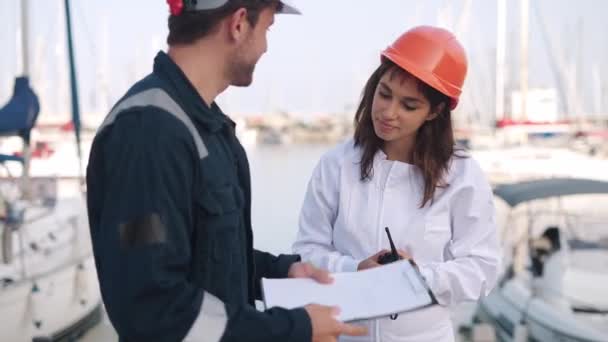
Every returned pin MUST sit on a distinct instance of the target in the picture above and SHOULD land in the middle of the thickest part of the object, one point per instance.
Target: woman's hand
(371, 262)
(404, 255)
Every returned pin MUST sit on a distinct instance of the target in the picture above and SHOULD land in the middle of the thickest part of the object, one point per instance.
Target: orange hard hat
(434, 56)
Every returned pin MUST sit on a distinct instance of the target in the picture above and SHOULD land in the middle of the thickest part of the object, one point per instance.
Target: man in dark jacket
(169, 194)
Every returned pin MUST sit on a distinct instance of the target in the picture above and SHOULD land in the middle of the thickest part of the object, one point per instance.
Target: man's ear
(435, 112)
(238, 25)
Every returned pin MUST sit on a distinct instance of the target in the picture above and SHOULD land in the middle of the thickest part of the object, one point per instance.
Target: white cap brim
(212, 4)
(289, 8)
(209, 4)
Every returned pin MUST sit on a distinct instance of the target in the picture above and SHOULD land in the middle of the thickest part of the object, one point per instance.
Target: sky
(317, 63)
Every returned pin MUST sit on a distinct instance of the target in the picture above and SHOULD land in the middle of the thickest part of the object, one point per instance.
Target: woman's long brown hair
(434, 145)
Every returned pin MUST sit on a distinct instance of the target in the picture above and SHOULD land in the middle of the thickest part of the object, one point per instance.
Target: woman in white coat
(402, 171)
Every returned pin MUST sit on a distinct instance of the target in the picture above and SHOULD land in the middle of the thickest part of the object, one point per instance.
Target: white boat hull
(511, 310)
(50, 289)
(56, 310)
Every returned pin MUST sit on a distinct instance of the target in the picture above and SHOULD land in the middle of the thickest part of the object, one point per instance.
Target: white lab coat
(453, 240)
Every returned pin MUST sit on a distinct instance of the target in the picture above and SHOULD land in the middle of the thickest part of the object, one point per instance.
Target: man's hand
(325, 326)
(307, 270)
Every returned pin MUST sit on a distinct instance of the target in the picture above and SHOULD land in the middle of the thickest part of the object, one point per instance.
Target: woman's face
(399, 108)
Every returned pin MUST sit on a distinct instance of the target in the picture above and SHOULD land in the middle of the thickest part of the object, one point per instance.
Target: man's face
(250, 49)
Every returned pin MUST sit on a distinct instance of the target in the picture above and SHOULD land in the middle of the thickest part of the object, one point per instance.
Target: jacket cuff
(302, 326)
(428, 272)
(284, 263)
(349, 265)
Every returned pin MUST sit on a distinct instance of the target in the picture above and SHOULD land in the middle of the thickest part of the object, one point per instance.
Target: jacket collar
(210, 117)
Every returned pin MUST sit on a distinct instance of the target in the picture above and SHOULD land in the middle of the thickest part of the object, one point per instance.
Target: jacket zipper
(379, 231)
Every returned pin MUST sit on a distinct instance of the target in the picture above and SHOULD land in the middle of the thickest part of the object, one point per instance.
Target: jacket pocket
(219, 217)
(437, 235)
(221, 200)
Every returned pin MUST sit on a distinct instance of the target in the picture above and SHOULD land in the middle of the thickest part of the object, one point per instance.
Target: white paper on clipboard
(377, 292)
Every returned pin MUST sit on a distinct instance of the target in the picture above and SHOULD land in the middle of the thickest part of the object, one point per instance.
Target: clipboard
(378, 292)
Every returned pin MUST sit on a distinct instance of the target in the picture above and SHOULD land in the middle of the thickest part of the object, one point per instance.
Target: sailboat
(48, 282)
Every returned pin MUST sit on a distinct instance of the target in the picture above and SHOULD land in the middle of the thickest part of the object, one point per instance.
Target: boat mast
(74, 88)
(557, 60)
(523, 63)
(24, 38)
(26, 153)
(597, 91)
(501, 28)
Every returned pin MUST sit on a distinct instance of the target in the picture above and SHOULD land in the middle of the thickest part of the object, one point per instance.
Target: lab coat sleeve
(314, 241)
(473, 254)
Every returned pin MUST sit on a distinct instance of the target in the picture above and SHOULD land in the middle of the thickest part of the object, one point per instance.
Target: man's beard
(240, 71)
